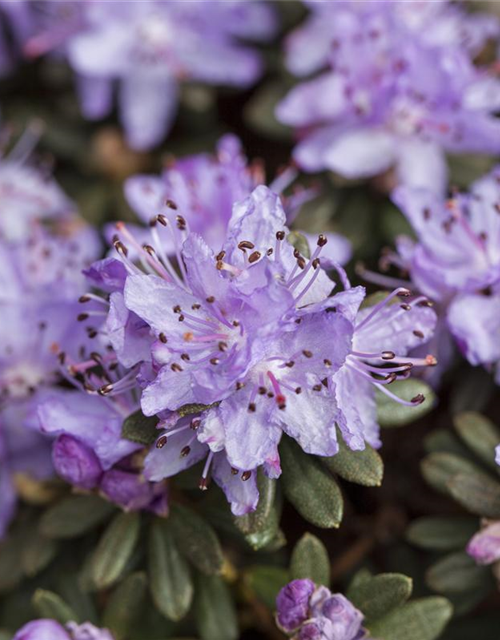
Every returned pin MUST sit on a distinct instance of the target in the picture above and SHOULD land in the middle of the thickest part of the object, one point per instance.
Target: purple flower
(45, 629)
(399, 92)
(455, 261)
(253, 334)
(152, 47)
(309, 612)
(484, 547)
(76, 463)
(18, 18)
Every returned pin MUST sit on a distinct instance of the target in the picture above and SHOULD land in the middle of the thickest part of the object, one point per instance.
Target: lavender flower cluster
(214, 316)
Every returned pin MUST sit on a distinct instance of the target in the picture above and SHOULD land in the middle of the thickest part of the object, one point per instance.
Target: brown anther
(327, 363)
(322, 240)
(280, 235)
(91, 332)
(324, 382)
(177, 308)
(203, 485)
(404, 293)
(162, 220)
(246, 475)
(84, 299)
(315, 263)
(239, 385)
(252, 407)
(427, 213)
(149, 249)
(289, 364)
(270, 394)
(390, 377)
(170, 204)
(195, 306)
(270, 251)
(185, 451)
(214, 361)
(105, 389)
(307, 354)
(181, 222)
(153, 221)
(82, 316)
(298, 390)
(161, 442)
(163, 338)
(176, 367)
(418, 399)
(281, 401)
(195, 424)
(388, 355)
(235, 323)
(210, 299)
(296, 253)
(496, 206)
(418, 334)
(181, 318)
(220, 255)
(120, 247)
(219, 265)
(425, 303)
(317, 387)
(262, 391)
(253, 257)
(301, 262)
(245, 244)
(405, 307)
(222, 346)
(185, 357)
(234, 472)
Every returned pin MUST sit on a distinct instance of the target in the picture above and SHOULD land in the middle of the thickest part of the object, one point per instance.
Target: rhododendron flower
(45, 629)
(151, 48)
(484, 547)
(308, 612)
(400, 90)
(252, 333)
(456, 262)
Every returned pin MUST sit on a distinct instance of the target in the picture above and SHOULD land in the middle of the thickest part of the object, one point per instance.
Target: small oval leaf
(423, 619)
(74, 516)
(441, 534)
(114, 549)
(378, 595)
(479, 434)
(125, 605)
(214, 609)
(439, 468)
(457, 572)
(393, 414)
(477, 492)
(50, 605)
(310, 560)
(362, 467)
(310, 487)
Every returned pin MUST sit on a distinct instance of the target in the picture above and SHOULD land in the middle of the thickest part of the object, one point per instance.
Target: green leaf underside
(478, 493)
(361, 467)
(457, 572)
(479, 434)
(378, 595)
(441, 533)
(310, 487)
(393, 414)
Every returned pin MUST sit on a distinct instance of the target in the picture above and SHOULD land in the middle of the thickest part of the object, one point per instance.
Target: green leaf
(310, 560)
(441, 534)
(310, 487)
(74, 516)
(479, 434)
(444, 441)
(196, 540)
(11, 571)
(423, 619)
(38, 552)
(378, 595)
(50, 605)
(439, 468)
(195, 407)
(258, 520)
(114, 549)
(265, 582)
(392, 414)
(140, 428)
(477, 492)
(168, 572)
(125, 604)
(362, 467)
(214, 609)
(457, 572)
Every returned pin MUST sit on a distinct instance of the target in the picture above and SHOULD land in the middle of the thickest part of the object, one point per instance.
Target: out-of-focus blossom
(308, 612)
(484, 547)
(151, 48)
(456, 262)
(252, 335)
(205, 187)
(400, 90)
(43, 249)
(46, 629)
